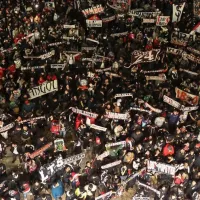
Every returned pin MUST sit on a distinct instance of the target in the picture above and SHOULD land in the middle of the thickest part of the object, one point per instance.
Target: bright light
(36, 6)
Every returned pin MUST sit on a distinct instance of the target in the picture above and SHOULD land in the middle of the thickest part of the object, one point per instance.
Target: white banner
(149, 188)
(83, 112)
(171, 102)
(119, 34)
(180, 38)
(112, 74)
(93, 10)
(45, 88)
(161, 167)
(112, 115)
(144, 14)
(103, 155)
(103, 70)
(152, 108)
(88, 48)
(34, 67)
(141, 110)
(155, 78)
(42, 57)
(195, 51)
(177, 12)
(104, 196)
(123, 143)
(91, 40)
(31, 119)
(69, 26)
(123, 95)
(113, 164)
(7, 127)
(94, 23)
(162, 20)
(189, 72)
(100, 128)
(148, 21)
(141, 198)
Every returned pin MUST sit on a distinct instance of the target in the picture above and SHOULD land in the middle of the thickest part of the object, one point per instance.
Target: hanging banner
(7, 127)
(57, 66)
(113, 164)
(59, 145)
(100, 128)
(31, 119)
(123, 143)
(171, 102)
(184, 96)
(177, 12)
(119, 34)
(161, 167)
(93, 10)
(182, 39)
(83, 112)
(45, 88)
(196, 8)
(94, 23)
(104, 196)
(148, 21)
(144, 14)
(123, 95)
(149, 188)
(162, 20)
(48, 170)
(112, 115)
(144, 57)
(40, 151)
(108, 19)
(155, 78)
(152, 108)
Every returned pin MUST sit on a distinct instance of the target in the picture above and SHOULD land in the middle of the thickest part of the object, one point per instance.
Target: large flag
(177, 12)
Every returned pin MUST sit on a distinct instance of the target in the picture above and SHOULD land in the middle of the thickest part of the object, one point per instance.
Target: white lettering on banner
(184, 96)
(123, 95)
(31, 119)
(121, 116)
(144, 14)
(83, 112)
(103, 70)
(141, 110)
(7, 127)
(104, 196)
(119, 34)
(162, 20)
(144, 57)
(113, 164)
(155, 78)
(57, 66)
(149, 21)
(59, 163)
(93, 10)
(94, 23)
(34, 67)
(100, 128)
(45, 88)
(177, 12)
(182, 39)
(174, 51)
(148, 187)
(161, 167)
(123, 143)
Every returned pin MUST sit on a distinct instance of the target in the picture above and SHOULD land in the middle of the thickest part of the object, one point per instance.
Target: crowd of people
(100, 83)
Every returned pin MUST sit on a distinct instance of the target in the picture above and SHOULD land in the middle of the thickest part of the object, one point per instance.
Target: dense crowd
(117, 103)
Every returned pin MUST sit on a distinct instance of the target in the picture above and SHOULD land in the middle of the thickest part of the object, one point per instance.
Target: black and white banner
(152, 108)
(42, 57)
(30, 68)
(55, 44)
(162, 20)
(31, 119)
(195, 51)
(161, 167)
(45, 88)
(94, 23)
(174, 51)
(104, 196)
(59, 163)
(182, 39)
(83, 112)
(112, 74)
(7, 127)
(113, 164)
(144, 57)
(88, 48)
(171, 102)
(177, 12)
(140, 198)
(103, 70)
(123, 143)
(140, 110)
(123, 95)
(149, 188)
(112, 115)
(100, 128)
(155, 78)
(196, 8)
(144, 14)
(67, 26)
(93, 10)
(103, 155)
(91, 40)
(57, 66)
